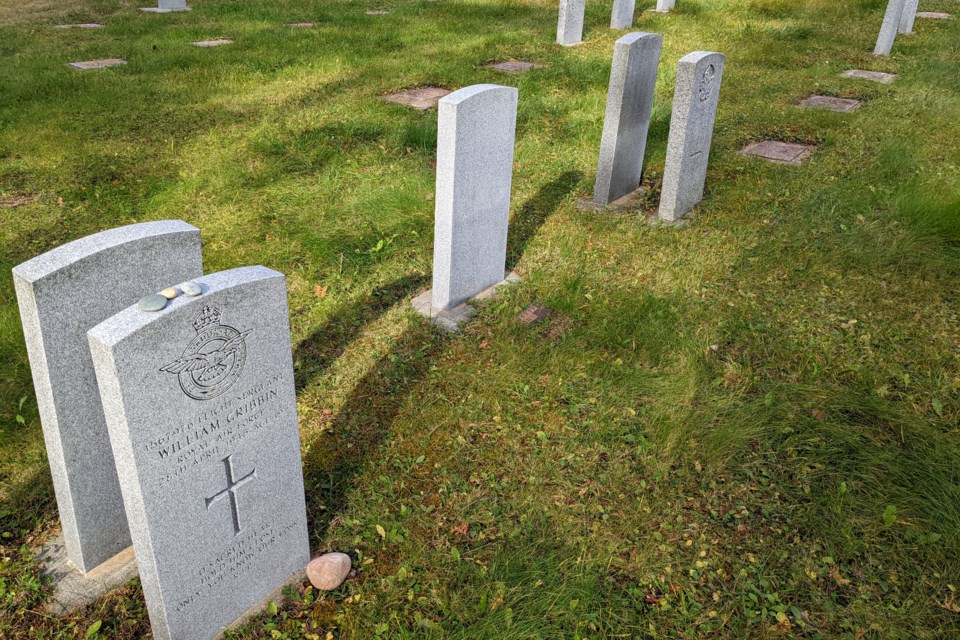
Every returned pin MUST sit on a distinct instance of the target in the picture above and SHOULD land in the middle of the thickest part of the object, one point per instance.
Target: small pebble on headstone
(97, 64)
(830, 103)
(170, 293)
(155, 302)
(327, 572)
(933, 15)
(515, 66)
(191, 289)
(874, 76)
(212, 43)
(533, 314)
(781, 152)
(423, 99)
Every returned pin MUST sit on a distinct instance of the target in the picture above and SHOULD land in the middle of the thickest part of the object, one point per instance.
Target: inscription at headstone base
(201, 409)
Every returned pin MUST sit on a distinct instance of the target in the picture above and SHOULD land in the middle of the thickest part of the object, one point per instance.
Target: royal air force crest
(213, 360)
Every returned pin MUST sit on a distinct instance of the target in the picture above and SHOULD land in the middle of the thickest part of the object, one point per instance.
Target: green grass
(747, 429)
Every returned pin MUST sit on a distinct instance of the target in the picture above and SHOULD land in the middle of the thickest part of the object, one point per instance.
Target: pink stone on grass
(422, 99)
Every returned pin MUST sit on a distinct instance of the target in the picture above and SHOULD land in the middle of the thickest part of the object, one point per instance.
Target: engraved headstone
(908, 16)
(62, 294)
(622, 15)
(167, 6)
(665, 6)
(695, 100)
(889, 27)
(202, 414)
(570, 22)
(475, 140)
(633, 80)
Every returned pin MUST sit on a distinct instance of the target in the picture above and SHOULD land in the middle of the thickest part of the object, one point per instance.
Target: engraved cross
(231, 491)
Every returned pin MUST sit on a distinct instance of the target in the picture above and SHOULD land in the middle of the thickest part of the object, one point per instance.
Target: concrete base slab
(84, 25)
(452, 319)
(159, 10)
(72, 589)
(302, 25)
(219, 42)
(780, 152)
(97, 64)
(624, 203)
(515, 66)
(873, 76)
(933, 15)
(378, 12)
(422, 99)
(830, 103)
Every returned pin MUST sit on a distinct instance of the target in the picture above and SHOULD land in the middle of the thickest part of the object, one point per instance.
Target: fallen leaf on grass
(320, 292)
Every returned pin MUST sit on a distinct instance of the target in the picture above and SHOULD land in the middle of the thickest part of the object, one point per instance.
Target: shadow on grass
(531, 216)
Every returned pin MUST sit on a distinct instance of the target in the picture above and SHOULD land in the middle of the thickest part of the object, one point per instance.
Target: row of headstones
(898, 19)
(572, 12)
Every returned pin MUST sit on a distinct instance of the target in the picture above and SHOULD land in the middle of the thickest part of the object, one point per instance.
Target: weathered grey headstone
(97, 64)
(830, 103)
(167, 6)
(475, 140)
(908, 16)
(633, 80)
(202, 414)
(622, 15)
(665, 6)
(889, 28)
(779, 152)
(873, 76)
(695, 100)
(570, 22)
(63, 293)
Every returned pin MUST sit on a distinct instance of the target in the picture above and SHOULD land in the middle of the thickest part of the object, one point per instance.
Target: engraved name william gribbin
(213, 360)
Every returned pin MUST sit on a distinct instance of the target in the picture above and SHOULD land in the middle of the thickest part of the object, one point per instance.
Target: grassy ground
(743, 428)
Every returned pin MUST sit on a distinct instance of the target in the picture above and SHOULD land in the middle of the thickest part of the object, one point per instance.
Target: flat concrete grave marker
(515, 66)
(202, 413)
(907, 16)
(665, 6)
(622, 15)
(695, 100)
(302, 25)
(476, 127)
(219, 42)
(570, 22)
(167, 6)
(889, 27)
(781, 152)
(933, 15)
(84, 25)
(633, 80)
(830, 103)
(378, 12)
(422, 99)
(98, 64)
(63, 293)
(873, 76)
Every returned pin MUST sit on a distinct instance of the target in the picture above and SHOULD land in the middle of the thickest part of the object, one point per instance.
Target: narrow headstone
(570, 22)
(695, 100)
(889, 28)
(167, 6)
(873, 76)
(422, 99)
(202, 414)
(633, 80)
(97, 64)
(908, 16)
(475, 140)
(665, 6)
(780, 152)
(622, 15)
(830, 103)
(62, 293)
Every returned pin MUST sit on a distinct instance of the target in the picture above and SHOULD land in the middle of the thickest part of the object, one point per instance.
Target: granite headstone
(889, 27)
(908, 16)
(570, 22)
(622, 15)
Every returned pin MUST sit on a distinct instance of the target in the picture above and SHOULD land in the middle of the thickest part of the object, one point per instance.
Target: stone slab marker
(570, 23)
(908, 16)
(622, 15)
(889, 28)
(695, 100)
(665, 6)
(62, 294)
(633, 80)
(202, 413)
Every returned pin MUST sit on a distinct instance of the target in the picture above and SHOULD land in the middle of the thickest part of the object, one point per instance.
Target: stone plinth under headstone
(633, 80)
(202, 413)
(452, 319)
(695, 100)
(167, 6)
(84, 25)
(63, 293)
(71, 590)
(622, 15)
(780, 152)
(219, 42)
(665, 6)
(907, 16)
(97, 64)
(830, 103)
(873, 76)
(515, 66)
(422, 99)
(889, 27)
(933, 15)
(570, 22)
